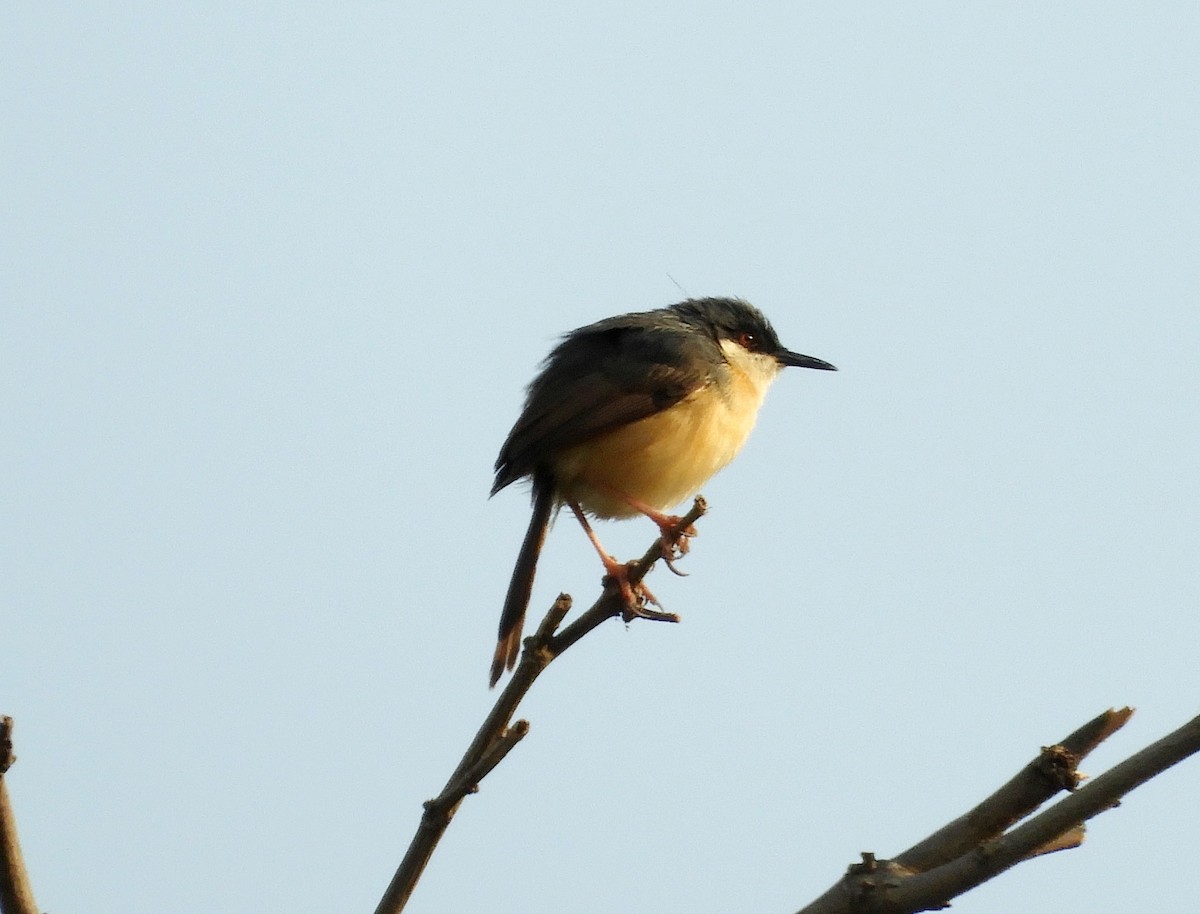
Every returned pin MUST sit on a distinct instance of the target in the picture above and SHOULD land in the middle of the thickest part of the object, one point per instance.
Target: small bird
(632, 415)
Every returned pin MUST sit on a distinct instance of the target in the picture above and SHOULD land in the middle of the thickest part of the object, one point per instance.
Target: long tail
(512, 619)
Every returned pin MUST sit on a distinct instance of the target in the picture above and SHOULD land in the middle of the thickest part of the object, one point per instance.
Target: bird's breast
(664, 458)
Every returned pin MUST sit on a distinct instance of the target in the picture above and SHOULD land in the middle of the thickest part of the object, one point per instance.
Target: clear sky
(273, 277)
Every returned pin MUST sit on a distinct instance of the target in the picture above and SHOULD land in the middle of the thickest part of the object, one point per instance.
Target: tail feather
(516, 601)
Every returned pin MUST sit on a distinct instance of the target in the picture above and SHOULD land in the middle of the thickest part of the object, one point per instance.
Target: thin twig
(496, 737)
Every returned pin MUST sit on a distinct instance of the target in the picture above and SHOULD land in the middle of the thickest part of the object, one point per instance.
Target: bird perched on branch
(632, 415)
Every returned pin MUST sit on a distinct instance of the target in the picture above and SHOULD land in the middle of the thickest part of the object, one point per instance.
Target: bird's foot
(634, 597)
(674, 534)
(674, 540)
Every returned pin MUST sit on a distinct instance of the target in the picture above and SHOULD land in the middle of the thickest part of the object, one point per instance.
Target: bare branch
(900, 887)
(959, 856)
(496, 738)
(1053, 770)
(16, 894)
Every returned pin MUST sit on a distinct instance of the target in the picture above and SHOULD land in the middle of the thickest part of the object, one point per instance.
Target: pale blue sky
(273, 278)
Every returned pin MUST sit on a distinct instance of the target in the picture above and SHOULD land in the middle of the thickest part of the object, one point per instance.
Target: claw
(669, 561)
(636, 596)
(675, 543)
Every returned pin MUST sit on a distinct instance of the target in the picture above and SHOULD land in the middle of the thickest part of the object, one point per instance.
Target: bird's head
(743, 332)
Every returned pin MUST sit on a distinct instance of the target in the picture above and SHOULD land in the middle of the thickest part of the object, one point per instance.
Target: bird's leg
(635, 596)
(674, 539)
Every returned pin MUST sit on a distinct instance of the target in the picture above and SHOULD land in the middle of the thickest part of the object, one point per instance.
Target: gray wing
(601, 377)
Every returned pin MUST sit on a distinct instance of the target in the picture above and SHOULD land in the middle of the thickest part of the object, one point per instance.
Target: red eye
(747, 340)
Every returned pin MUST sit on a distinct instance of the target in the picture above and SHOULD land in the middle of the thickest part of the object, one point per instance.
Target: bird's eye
(747, 340)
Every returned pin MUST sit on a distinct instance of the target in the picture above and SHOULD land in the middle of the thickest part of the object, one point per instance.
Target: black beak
(797, 360)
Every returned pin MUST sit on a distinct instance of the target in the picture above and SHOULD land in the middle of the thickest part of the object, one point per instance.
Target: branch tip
(1096, 731)
(554, 616)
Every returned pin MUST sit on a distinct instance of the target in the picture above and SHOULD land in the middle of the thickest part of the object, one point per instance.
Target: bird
(630, 416)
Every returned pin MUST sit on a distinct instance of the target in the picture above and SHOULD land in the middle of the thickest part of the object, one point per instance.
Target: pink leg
(634, 595)
(674, 540)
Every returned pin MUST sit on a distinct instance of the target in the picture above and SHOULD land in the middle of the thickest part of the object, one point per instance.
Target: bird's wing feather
(599, 378)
